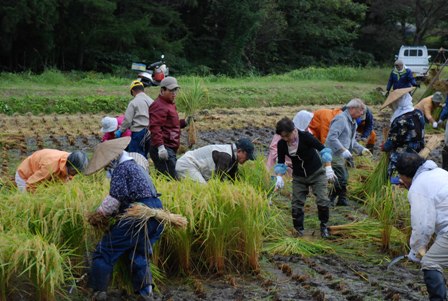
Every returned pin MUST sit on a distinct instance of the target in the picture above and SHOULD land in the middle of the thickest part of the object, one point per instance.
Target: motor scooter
(153, 74)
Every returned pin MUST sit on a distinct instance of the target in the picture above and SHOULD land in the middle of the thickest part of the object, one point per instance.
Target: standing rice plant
(256, 174)
(190, 101)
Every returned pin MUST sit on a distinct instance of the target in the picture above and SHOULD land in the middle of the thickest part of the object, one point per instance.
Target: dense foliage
(213, 36)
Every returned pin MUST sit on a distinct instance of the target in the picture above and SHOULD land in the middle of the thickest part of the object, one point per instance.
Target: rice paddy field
(239, 243)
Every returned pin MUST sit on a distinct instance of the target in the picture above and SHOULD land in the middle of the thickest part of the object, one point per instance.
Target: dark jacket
(407, 131)
(165, 124)
(307, 159)
(402, 79)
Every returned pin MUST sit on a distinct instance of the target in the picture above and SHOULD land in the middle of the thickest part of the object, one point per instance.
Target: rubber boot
(297, 220)
(435, 284)
(445, 157)
(342, 199)
(370, 147)
(324, 214)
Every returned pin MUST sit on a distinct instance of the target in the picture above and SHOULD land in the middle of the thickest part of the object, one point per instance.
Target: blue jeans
(135, 146)
(127, 238)
(166, 167)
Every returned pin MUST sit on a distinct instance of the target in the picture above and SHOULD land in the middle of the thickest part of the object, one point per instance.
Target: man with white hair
(341, 140)
(401, 77)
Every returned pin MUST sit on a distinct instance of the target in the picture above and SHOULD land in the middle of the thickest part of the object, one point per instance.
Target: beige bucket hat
(395, 95)
(105, 152)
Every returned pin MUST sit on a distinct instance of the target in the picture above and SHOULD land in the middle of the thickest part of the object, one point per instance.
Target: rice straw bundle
(433, 142)
(144, 213)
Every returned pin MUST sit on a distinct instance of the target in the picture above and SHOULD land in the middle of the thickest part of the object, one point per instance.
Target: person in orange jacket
(320, 125)
(49, 164)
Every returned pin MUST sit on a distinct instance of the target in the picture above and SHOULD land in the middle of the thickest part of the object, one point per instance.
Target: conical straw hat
(105, 152)
(395, 95)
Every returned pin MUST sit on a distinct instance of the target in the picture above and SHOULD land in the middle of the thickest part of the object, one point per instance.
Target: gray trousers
(437, 256)
(340, 169)
(301, 186)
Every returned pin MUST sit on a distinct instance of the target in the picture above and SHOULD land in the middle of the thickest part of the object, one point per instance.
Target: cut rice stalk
(144, 213)
(433, 142)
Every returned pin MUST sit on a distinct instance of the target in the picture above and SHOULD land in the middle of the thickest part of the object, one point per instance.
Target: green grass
(56, 92)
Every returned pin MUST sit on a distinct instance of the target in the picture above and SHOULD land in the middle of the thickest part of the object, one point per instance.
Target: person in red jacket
(165, 128)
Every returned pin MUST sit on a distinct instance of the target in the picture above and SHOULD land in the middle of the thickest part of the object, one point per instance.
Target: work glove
(413, 256)
(279, 184)
(366, 152)
(387, 94)
(435, 124)
(346, 154)
(117, 133)
(163, 153)
(189, 119)
(329, 172)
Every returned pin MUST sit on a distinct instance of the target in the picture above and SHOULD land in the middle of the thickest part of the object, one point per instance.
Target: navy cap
(247, 146)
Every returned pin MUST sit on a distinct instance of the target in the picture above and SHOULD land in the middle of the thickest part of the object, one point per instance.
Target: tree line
(214, 36)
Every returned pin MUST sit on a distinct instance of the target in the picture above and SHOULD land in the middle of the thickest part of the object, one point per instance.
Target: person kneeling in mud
(302, 147)
(129, 184)
(219, 159)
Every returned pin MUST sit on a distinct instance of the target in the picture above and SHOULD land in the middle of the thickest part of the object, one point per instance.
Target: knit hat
(437, 97)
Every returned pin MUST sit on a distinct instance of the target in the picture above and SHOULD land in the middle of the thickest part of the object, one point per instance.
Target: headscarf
(401, 106)
(302, 119)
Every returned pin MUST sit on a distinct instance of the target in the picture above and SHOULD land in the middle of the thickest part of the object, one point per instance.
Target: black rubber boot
(445, 157)
(435, 284)
(297, 220)
(342, 199)
(324, 215)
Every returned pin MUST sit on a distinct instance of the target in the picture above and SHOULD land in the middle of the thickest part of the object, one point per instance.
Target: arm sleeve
(311, 140)
(444, 113)
(223, 165)
(109, 206)
(281, 151)
(368, 127)
(128, 116)
(358, 147)
(390, 143)
(411, 78)
(157, 117)
(390, 82)
(423, 219)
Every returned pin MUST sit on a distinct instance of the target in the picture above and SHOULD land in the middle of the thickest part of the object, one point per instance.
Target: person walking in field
(109, 125)
(129, 184)
(400, 77)
(304, 149)
(48, 165)
(136, 118)
(219, 159)
(165, 128)
(341, 140)
(427, 106)
(407, 128)
(428, 197)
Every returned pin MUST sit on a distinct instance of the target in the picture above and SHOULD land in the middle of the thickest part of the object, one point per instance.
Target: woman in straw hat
(407, 128)
(129, 184)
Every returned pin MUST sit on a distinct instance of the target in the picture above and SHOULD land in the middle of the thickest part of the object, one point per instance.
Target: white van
(415, 58)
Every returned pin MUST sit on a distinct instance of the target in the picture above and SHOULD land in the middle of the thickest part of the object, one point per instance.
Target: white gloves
(346, 154)
(329, 172)
(366, 152)
(279, 184)
(412, 256)
(163, 153)
(435, 124)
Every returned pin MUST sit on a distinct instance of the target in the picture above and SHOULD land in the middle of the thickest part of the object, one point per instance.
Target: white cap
(302, 119)
(109, 124)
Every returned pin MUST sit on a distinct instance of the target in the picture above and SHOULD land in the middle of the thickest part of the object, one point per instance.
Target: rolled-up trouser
(127, 238)
(185, 168)
(166, 167)
(341, 171)
(301, 185)
(436, 258)
(137, 145)
(21, 183)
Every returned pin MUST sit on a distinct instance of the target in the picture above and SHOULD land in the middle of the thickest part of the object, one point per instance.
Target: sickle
(395, 260)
